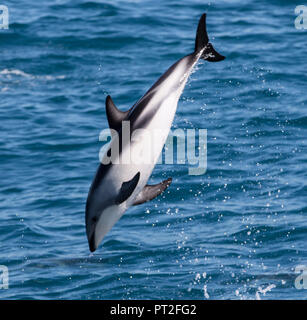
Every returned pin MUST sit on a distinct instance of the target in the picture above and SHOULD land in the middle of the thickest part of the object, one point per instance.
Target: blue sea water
(236, 232)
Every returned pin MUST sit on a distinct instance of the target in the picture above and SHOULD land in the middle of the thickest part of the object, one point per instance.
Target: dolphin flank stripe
(127, 189)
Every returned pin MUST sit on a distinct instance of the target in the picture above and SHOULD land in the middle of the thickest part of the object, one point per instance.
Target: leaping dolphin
(117, 186)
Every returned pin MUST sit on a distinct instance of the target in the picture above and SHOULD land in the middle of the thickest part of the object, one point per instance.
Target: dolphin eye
(94, 219)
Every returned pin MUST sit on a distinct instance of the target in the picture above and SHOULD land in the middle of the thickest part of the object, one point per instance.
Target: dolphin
(118, 185)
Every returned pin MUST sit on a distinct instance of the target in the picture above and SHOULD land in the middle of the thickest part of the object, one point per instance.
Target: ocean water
(236, 232)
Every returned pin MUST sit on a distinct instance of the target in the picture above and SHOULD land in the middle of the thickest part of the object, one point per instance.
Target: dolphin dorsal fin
(114, 115)
(151, 192)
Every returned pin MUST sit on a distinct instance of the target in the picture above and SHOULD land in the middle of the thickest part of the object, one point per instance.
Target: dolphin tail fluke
(202, 43)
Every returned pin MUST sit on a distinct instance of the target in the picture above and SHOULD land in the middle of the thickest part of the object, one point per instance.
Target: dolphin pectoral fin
(114, 115)
(151, 192)
(127, 188)
(202, 42)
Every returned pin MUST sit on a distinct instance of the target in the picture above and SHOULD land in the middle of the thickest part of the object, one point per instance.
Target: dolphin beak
(91, 238)
(91, 242)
